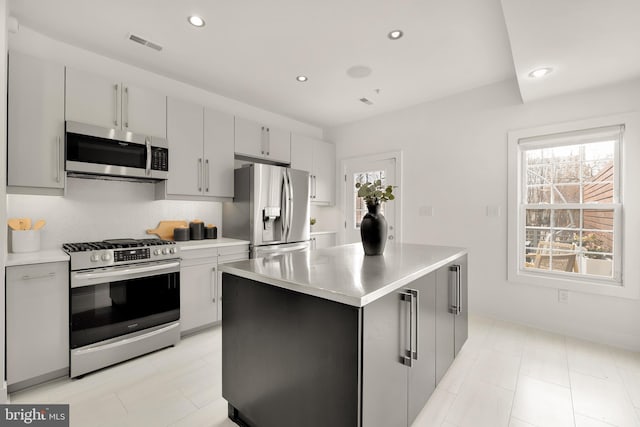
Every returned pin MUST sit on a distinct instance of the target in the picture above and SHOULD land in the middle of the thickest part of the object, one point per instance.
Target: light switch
(494, 211)
(425, 211)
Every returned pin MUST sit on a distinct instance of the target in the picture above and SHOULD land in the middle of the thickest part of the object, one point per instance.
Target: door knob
(391, 237)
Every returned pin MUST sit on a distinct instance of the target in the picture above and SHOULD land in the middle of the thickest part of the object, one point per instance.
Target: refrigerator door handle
(289, 204)
(286, 206)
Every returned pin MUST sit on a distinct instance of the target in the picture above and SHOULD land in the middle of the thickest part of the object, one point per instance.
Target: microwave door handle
(148, 145)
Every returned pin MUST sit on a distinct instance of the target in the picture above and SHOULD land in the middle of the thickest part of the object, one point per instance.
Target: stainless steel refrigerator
(270, 208)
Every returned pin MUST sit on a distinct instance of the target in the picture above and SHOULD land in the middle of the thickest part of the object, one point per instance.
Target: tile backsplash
(95, 210)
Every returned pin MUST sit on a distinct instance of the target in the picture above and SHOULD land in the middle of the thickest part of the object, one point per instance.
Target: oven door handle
(91, 278)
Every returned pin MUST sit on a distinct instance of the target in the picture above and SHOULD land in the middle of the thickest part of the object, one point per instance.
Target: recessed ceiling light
(395, 34)
(196, 21)
(302, 78)
(540, 72)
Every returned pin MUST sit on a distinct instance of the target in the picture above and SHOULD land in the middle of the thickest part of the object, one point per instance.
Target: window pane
(566, 193)
(567, 172)
(538, 218)
(539, 194)
(566, 218)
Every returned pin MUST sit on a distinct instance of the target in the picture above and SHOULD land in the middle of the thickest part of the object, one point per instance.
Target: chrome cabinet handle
(147, 143)
(200, 174)
(43, 276)
(416, 319)
(58, 159)
(268, 141)
(407, 358)
(115, 104)
(455, 305)
(262, 140)
(213, 284)
(125, 107)
(206, 181)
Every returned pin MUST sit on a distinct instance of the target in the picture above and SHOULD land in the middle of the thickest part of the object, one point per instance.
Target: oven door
(109, 302)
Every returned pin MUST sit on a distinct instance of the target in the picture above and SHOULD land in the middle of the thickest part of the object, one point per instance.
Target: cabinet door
(249, 138)
(422, 374)
(324, 171)
(218, 153)
(35, 149)
(198, 305)
(444, 321)
(144, 111)
(279, 145)
(302, 152)
(323, 240)
(185, 136)
(461, 320)
(92, 99)
(37, 316)
(384, 376)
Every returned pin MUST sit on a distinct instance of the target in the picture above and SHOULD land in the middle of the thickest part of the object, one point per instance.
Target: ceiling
(253, 50)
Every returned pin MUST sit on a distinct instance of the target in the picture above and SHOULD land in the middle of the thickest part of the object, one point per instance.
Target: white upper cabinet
(108, 103)
(185, 135)
(218, 153)
(261, 141)
(201, 150)
(35, 146)
(317, 157)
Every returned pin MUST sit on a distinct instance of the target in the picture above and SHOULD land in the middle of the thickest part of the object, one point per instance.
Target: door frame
(397, 192)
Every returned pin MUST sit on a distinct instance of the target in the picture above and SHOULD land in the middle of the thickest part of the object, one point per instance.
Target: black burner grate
(119, 244)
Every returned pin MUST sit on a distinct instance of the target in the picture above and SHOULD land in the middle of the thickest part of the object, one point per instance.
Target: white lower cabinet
(198, 278)
(323, 240)
(37, 323)
(201, 284)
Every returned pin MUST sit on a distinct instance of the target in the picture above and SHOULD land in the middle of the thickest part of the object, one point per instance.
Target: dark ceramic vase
(373, 230)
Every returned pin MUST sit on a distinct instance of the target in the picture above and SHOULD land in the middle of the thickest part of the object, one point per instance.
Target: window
(566, 205)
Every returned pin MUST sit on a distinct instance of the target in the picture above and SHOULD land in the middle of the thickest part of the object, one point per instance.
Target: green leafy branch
(375, 192)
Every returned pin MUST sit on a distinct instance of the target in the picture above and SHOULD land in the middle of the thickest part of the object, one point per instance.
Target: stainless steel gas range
(124, 300)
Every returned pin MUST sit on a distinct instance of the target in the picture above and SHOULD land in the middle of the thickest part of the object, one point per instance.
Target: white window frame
(626, 281)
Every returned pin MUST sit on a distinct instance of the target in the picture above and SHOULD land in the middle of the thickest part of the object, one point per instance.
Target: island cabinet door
(398, 354)
(422, 373)
(451, 313)
(289, 359)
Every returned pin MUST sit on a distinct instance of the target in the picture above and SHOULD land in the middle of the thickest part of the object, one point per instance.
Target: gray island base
(334, 338)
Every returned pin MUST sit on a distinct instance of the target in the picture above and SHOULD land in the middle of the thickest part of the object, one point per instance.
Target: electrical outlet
(563, 296)
(425, 211)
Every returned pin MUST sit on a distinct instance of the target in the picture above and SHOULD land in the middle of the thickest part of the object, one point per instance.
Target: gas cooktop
(114, 252)
(114, 244)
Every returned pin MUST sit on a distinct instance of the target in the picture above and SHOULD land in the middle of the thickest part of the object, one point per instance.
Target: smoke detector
(145, 42)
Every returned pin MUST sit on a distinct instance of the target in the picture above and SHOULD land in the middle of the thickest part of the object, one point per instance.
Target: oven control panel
(131, 254)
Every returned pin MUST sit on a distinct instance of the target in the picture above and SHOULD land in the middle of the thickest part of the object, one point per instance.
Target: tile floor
(506, 375)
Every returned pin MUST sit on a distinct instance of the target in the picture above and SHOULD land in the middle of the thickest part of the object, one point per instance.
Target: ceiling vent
(366, 101)
(145, 42)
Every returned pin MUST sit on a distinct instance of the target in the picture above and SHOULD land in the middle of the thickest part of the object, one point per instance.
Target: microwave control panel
(131, 254)
(159, 159)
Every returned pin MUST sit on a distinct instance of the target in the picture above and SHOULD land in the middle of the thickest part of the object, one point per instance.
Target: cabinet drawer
(209, 254)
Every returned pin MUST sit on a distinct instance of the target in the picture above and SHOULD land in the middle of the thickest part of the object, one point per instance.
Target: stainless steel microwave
(97, 152)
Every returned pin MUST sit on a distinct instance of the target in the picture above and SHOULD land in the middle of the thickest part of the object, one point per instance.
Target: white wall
(94, 210)
(455, 159)
(3, 179)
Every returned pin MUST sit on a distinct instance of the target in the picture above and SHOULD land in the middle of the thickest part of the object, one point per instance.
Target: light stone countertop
(343, 273)
(210, 243)
(39, 257)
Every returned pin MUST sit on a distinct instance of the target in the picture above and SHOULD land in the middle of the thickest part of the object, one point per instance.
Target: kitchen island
(335, 338)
